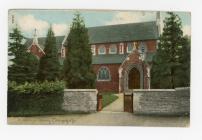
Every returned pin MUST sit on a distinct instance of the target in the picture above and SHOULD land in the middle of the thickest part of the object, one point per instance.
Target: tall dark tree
(78, 71)
(168, 64)
(49, 67)
(23, 65)
(183, 72)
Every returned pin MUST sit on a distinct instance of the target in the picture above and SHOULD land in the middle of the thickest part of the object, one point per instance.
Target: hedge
(31, 99)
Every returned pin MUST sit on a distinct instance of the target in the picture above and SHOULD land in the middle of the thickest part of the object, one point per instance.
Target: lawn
(108, 98)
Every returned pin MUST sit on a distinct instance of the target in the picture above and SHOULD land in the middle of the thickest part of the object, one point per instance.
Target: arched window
(103, 74)
(130, 47)
(102, 50)
(113, 49)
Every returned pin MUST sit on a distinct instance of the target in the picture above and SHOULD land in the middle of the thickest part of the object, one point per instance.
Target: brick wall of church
(36, 51)
(151, 45)
(113, 84)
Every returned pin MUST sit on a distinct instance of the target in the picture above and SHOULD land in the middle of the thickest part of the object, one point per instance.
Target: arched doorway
(134, 79)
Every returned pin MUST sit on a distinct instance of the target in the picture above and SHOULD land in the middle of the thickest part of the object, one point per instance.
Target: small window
(93, 49)
(103, 74)
(113, 49)
(130, 47)
(121, 47)
(102, 50)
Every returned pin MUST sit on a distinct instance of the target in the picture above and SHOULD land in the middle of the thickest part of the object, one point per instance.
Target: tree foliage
(171, 65)
(78, 71)
(24, 65)
(49, 67)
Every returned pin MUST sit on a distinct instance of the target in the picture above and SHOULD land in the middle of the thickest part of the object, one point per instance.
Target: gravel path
(102, 118)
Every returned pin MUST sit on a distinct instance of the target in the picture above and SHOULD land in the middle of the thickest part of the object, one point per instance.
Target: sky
(60, 20)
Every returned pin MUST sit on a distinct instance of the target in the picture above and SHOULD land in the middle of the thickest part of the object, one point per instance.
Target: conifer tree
(78, 71)
(49, 67)
(168, 64)
(183, 72)
(24, 65)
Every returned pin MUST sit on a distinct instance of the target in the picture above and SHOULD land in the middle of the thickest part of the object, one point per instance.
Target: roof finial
(35, 34)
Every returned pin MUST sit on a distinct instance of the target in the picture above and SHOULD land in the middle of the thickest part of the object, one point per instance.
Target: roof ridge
(123, 24)
(55, 36)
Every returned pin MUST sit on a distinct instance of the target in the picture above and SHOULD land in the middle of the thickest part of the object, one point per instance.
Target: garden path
(116, 106)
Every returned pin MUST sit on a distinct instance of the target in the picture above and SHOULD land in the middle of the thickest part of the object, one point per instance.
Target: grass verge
(108, 98)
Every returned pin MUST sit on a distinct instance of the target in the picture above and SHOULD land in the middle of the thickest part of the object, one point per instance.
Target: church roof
(116, 58)
(112, 58)
(112, 33)
(42, 41)
(109, 59)
(123, 32)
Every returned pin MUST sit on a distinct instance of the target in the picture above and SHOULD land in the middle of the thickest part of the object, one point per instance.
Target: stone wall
(80, 100)
(162, 101)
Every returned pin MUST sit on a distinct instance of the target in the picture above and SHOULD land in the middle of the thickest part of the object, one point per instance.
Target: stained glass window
(103, 74)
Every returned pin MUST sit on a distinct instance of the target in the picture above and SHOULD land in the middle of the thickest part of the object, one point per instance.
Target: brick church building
(122, 54)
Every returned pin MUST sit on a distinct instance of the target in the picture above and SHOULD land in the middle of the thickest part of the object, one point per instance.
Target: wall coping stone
(82, 90)
(128, 93)
(148, 90)
(182, 88)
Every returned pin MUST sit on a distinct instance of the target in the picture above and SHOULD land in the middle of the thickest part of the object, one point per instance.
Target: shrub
(35, 98)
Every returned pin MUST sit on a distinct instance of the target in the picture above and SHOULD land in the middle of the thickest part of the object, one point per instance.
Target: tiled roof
(116, 58)
(109, 59)
(112, 33)
(112, 58)
(123, 32)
